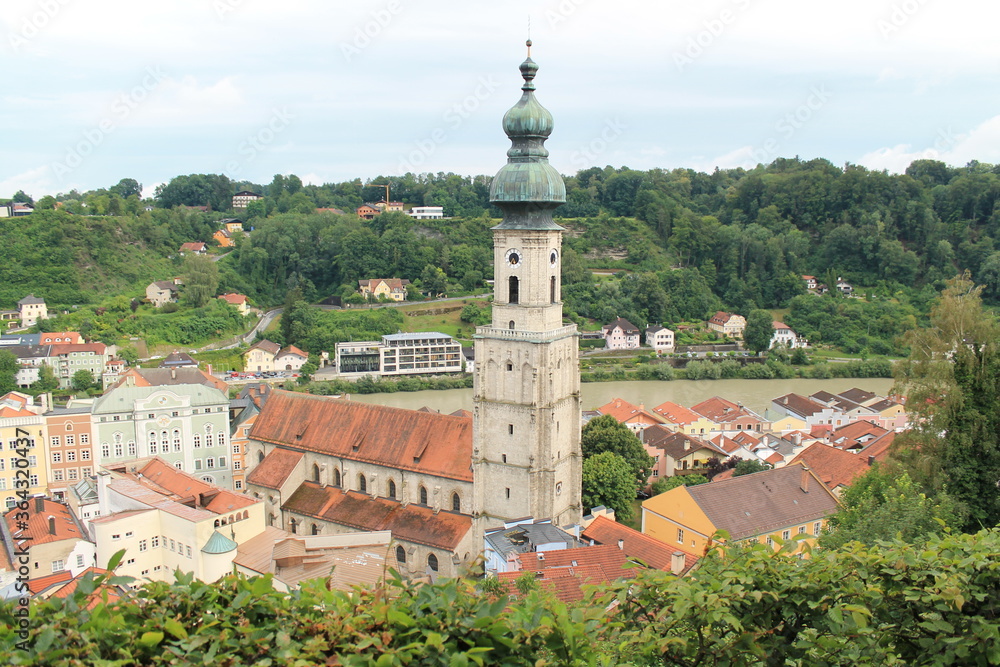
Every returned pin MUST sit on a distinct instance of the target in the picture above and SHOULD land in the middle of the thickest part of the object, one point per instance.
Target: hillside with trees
(682, 243)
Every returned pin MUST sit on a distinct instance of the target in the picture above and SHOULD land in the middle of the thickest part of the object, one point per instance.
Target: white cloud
(36, 182)
(982, 143)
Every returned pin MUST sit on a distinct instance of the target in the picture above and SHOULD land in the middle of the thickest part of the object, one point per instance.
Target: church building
(438, 482)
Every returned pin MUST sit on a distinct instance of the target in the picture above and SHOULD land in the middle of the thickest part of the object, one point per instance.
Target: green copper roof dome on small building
(528, 188)
(218, 544)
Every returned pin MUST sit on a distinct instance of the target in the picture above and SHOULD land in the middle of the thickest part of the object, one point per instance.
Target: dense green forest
(683, 243)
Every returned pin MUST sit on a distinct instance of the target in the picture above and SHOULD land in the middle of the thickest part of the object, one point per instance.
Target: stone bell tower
(526, 434)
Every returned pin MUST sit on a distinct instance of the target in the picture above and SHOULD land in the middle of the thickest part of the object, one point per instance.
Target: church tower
(526, 435)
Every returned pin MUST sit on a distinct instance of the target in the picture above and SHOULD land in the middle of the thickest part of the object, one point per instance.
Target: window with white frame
(84, 439)
(55, 441)
(72, 474)
(71, 455)
(85, 454)
(143, 544)
(105, 450)
(57, 475)
(58, 565)
(70, 440)
(57, 457)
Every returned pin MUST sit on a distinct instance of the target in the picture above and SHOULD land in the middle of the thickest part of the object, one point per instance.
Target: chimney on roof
(39, 504)
(541, 555)
(677, 562)
(687, 444)
(804, 484)
(173, 373)
(52, 525)
(871, 459)
(621, 544)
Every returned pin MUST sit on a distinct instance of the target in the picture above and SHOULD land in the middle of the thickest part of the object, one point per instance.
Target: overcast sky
(99, 90)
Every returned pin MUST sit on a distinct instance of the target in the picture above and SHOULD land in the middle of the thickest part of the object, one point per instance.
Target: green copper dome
(528, 188)
(218, 544)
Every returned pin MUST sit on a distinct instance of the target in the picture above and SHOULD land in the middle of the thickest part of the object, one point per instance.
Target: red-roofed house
(393, 289)
(290, 358)
(678, 453)
(728, 324)
(565, 572)
(729, 416)
(60, 337)
(260, 357)
(684, 420)
(238, 301)
(784, 336)
(49, 541)
(196, 247)
(636, 417)
(166, 519)
(837, 468)
(638, 547)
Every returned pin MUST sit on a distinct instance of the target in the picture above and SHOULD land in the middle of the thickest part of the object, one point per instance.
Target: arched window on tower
(316, 473)
(391, 490)
(510, 325)
(456, 502)
(423, 495)
(336, 476)
(362, 484)
(401, 555)
(552, 289)
(512, 290)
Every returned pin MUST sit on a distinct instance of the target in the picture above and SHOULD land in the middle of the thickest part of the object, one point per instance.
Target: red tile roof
(41, 584)
(880, 447)
(291, 349)
(70, 348)
(635, 545)
(836, 467)
(95, 598)
(38, 529)
(430, 443)
(626, 413)
(722, 411)
(676, 414)
(678, 445)
(235, 299)
(275, 468)
(412, 523)
(183, 485)
(799, 406)
(63, 336)
(856, 434)
(266, 345)
(565, 572)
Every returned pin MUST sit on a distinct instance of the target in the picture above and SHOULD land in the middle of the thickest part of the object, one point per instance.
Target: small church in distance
(327, 466)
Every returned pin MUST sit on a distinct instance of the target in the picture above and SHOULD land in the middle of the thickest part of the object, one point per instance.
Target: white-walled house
(660, 338)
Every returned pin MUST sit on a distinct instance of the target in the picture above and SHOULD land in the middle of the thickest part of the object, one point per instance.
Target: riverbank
(755, 394)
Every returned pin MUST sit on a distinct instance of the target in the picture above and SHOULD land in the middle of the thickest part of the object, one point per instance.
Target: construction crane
(386, 186)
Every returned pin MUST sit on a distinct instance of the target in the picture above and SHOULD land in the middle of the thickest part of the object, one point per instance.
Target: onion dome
(528, 188)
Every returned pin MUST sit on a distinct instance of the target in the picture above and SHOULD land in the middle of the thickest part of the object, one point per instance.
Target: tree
(434, 280)
(749, 467)
(759, 331)
(46, 203)
(885, 503)
(664, 484)
(608, 480)
(22, 198)
(952, 381)
(47, 380)
(128, 354)
(200, 276)
(607, 434)
(82, 380)
(126, 188)
(8, 371)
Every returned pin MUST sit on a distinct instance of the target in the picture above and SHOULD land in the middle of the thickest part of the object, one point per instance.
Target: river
(755, 394)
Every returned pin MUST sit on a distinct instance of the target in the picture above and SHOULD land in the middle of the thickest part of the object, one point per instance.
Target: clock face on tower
(553, 258)
(513, 258)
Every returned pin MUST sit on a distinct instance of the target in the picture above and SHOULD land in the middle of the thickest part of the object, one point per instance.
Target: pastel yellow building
(766, 506)
(23, 451)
